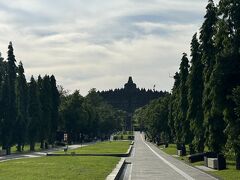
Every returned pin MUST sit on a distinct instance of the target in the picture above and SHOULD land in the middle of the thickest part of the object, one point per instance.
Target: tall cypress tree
(174, 110)
(180, 103)
(215, 125)
(41, 123)
(183, 101)
(229, 65)
(46, 110)
(230, 10)
(34, 113)
(207, 35)
(2, 74)
(54, 108)
(2, 70)
(195, 92)
(21, 103)
(9, 100)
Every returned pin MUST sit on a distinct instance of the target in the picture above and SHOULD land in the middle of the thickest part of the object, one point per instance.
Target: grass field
(70, 167)
(172, 149)
(107, 147)
(59, 168)
(229, 174)
(127, 135)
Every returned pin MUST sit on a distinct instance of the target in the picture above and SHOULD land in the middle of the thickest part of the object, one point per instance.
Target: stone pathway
(150, 163)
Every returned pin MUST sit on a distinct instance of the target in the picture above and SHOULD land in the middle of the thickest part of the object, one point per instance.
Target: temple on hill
(130, 98)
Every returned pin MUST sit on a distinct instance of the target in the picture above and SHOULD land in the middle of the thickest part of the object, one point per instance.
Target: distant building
(130, 98)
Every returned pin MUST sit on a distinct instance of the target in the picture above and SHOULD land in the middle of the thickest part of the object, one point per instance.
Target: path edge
(117, 171)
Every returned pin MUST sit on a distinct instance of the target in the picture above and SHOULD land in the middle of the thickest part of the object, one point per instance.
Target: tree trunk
(42, 144)
(46, 145)
(191, 149)
(19, 147)
(8, 150)
(32, 146)
(184, 150)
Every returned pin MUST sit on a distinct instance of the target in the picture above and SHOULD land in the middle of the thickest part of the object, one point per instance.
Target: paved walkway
(37, 154)
(150, 163)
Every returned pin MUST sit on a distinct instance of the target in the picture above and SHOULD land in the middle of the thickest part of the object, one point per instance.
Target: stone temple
(130, 98)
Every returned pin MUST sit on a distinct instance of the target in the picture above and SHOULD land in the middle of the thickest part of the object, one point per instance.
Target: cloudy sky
(99, 43)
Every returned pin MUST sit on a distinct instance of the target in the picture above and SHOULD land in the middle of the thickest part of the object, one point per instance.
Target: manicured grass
(26, 148)
(107, 147)
(229, 174)
(124, 135)
(59, 168)
(172, 149)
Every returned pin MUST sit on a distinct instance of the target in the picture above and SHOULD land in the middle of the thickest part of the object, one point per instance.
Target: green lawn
(123, 135)
(26, 148)
(107, 147)
(172, 149)
(229, 174)
(59, 168)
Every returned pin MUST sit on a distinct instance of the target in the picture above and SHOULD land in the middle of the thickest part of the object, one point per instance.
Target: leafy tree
(230, 10)
(233, 128)
(228, 41)
(2, 75)
(46, 109)
(195, 92)
(226, 72)
(106, 118)
(155, 119)
(215, 138)
(183, 102)
(34, 113)
(9, 99)
(174, 110)
(21, 103)
(139, 119)
(207, 35)
(55, 100)
(72, 114)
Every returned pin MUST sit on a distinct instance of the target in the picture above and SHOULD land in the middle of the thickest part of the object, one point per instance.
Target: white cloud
(99, 43)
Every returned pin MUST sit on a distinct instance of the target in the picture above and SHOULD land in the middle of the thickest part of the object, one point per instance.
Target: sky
(100, 43)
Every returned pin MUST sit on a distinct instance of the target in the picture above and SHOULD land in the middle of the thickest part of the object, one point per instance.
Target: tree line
(36, 111)
(203, 109)
(90, 117)
(28, 111)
